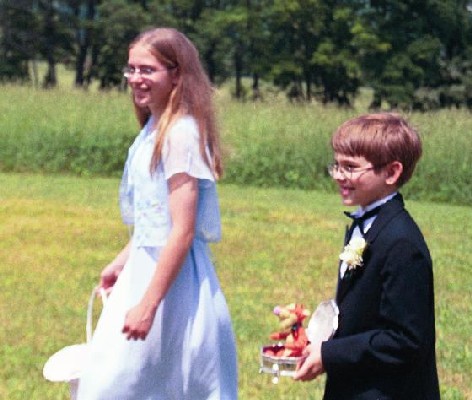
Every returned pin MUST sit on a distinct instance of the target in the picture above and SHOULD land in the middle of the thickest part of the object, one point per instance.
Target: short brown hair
(381, 138)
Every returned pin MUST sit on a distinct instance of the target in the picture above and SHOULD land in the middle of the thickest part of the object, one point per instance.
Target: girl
(165, 332)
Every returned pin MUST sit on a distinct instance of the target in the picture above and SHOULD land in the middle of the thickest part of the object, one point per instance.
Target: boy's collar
(362, 210)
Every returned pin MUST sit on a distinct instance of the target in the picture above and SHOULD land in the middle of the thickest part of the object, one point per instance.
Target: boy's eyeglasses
(347, 172)
(143, 71)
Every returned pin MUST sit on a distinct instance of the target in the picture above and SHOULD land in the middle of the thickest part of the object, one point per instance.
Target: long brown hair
(192, 95)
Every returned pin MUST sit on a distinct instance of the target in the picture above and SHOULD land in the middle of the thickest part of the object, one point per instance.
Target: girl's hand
(110, 273)
(109, 276)
(138, 321)
(183, 197)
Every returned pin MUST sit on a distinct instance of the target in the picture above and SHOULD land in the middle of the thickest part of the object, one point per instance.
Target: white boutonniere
(352, 253)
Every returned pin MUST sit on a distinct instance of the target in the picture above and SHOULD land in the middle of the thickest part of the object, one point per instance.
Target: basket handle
(89, 323)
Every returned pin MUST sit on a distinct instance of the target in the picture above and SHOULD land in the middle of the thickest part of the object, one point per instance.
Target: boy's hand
(311, 366)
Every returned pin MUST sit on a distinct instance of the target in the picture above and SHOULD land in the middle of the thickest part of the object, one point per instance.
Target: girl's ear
(394, 170)
(175, 75)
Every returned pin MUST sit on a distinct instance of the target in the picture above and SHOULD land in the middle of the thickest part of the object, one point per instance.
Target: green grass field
(279, 246)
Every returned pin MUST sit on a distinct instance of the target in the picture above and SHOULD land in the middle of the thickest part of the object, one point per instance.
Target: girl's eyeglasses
(143, 71)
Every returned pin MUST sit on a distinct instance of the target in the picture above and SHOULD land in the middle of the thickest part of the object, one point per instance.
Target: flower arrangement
(291, 330)
(282, 358)
(352, 253)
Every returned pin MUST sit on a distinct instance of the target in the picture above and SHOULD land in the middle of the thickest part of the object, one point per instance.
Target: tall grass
(284, 145)
(64, 131)
(279, 246)
(267, 144)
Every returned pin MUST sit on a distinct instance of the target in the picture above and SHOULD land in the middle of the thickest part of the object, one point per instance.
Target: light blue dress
(189, 352)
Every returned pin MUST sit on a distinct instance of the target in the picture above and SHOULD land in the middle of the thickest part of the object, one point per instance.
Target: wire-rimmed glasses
(143, 71)
(346, 171)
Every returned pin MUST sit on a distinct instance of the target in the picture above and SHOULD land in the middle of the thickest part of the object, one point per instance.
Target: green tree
(453, 26)
(259, 39)
(56, 36)
(415, 54)
(120, 22)
(85, 17)
(297, 27)
(337, 58)
(18, 29)
(422, 36)
(233, 37)
(233, 25)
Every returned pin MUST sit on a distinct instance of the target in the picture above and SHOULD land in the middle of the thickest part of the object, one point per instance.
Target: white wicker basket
(66, 364)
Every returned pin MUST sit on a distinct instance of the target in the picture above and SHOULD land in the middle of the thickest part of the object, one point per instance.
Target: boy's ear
(394, 170)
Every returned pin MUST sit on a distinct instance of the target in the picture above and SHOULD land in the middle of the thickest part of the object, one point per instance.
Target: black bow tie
(359, 221)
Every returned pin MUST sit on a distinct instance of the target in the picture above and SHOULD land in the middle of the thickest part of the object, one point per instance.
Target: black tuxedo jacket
(384, 347)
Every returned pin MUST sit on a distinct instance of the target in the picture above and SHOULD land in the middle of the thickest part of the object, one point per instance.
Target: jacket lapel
(386, 214)
(343, 286)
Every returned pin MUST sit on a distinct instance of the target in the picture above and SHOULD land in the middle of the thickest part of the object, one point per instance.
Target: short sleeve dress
(190, 351)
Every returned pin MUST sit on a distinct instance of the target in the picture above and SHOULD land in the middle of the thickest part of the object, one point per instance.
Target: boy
(384, 347)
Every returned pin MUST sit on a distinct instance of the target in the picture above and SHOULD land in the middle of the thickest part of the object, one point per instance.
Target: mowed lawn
(279, 246)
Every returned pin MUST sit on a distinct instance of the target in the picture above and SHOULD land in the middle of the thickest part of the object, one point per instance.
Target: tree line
(414, 54)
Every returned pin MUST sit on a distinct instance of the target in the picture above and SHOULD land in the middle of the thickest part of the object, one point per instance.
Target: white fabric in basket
(66, 364)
